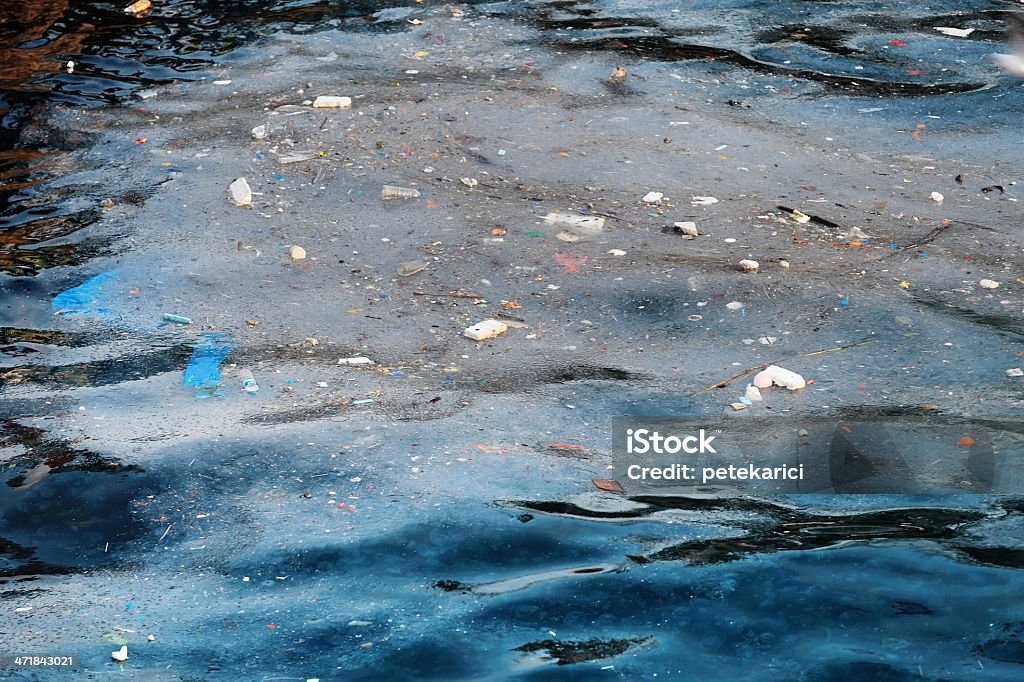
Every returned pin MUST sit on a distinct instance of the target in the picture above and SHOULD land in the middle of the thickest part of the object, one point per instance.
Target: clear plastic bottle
(248, 382)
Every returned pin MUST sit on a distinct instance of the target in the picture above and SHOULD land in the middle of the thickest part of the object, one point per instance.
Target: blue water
(239, 553)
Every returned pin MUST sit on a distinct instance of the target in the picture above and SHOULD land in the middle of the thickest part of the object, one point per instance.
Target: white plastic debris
(988, 284)
(856, 233)
(121, 655)
(71, 67)
(784, 263)
(753, 392)
(241, 193)
(1015, 372)
(782, 377)
(356, 360)
(487, 329)
(766, 340)
(297, 252)
(395, 192)
(469, 182)
(800, 216)
(734, 305)
(616, 252)
(578, 224)
(295, 157)
(686, 227)
(259, 132)
(332, 102)
(763, 379)
(936, 197)
(703, 201)
(737, 406)
(410, 268)
(150, 638)
(653, 198)
(955, 32)
(747, 265)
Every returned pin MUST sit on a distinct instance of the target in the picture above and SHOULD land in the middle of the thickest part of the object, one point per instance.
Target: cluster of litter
(772, 375)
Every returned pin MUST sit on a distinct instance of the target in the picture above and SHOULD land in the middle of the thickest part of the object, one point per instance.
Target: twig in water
(453, 295)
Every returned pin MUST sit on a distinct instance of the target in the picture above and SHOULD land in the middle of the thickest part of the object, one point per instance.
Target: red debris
(609, 485)
(569, 262)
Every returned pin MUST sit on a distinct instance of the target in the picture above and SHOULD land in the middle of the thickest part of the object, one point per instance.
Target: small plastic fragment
(1015, 372)
(703, 201)
(332, 102)
(653, 198)
(686, 227)
(487, 329)
(121, 655)
(297, 157)
(936, 197)
(241, 193)
(988, 284)
(297, 252)
(178, 319)
(575, 223)
(410, 268)
(609, 485)
(734, 305)
(357, 360)
(954, 32)
(259, 132)
(138, 8)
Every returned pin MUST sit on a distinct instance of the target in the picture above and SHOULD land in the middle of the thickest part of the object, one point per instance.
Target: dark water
(809, 589)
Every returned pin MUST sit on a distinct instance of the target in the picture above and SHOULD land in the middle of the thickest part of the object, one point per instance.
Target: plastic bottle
(395, 192)
(248, 382)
